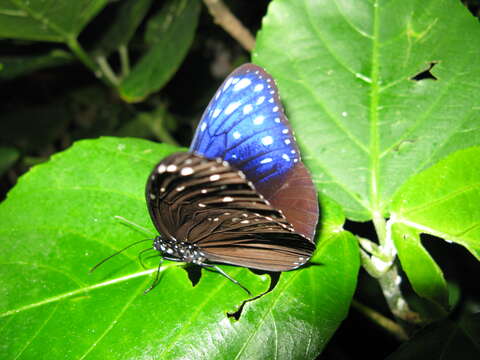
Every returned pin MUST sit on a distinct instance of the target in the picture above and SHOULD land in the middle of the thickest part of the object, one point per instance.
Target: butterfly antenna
(227, 276)
(116, 253)
(155, 281)
(131, 223)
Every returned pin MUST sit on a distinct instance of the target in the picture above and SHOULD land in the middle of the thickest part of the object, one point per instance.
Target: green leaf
(8, 156)
(170, 34)
(128, 17)
(423, 272)
(344, 75)
(46, 20)
(444, 340)
(59, 221)
(449, 210)
(21, 65)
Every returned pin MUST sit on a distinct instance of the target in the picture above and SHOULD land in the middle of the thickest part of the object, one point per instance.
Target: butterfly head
(173, 249)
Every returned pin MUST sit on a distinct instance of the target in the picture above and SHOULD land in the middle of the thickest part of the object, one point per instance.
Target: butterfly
(241, 195)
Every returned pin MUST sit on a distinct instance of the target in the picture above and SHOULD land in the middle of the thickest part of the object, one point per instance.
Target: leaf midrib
(65, 36)
(78, 291)
(375, 206)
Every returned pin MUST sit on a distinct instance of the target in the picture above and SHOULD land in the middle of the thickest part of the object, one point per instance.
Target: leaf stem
(380, 227)
(390, 283)
(124, 60)
(391, 326)
(82, 55)
(107, 70)
(224, 18)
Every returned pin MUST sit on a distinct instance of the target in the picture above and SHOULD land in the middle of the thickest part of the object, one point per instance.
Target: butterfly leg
(155, 281)
(226, 275)
(139, 257)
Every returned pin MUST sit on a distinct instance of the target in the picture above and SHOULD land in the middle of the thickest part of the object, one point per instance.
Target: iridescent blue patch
(245, 124)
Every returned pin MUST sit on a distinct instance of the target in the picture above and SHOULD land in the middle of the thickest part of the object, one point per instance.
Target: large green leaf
(444, 340)
(449, 210)
(169, 34)
(59, 221)
(128, 17)
(46, 20)
(344, 70)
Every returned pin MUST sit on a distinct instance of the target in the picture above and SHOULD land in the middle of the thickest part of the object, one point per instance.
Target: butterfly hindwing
(207, 203)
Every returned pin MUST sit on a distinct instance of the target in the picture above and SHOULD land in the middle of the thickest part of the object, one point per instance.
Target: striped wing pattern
(210, 205)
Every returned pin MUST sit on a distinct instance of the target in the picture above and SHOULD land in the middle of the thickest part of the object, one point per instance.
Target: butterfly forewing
(210, 204)
(245, 124)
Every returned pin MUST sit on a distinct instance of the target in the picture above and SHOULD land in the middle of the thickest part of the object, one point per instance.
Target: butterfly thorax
(174, 249)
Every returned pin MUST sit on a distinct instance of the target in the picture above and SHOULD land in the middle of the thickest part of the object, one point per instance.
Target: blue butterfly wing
(245, 124)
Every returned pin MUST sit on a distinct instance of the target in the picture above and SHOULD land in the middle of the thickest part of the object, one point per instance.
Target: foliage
(382, 99)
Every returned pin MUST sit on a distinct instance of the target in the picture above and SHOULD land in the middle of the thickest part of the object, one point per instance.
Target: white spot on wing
(171, 168)
(260, 100)
(214, 177)
(232, 107)
(258, 120)
(267, 140)
(286, 157)
(236, 135)
(216, 112)
(242, 84)
(227, 84)
(186, 171)
(266, 161)
(258, 87)
(247, 109)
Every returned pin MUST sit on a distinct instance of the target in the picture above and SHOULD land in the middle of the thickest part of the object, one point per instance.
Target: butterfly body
(241, 196)
(179, 250)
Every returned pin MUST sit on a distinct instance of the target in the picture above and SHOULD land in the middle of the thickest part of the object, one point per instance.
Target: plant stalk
(391, 326)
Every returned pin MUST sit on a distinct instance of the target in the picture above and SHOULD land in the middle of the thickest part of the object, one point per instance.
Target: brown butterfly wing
(210, 204)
